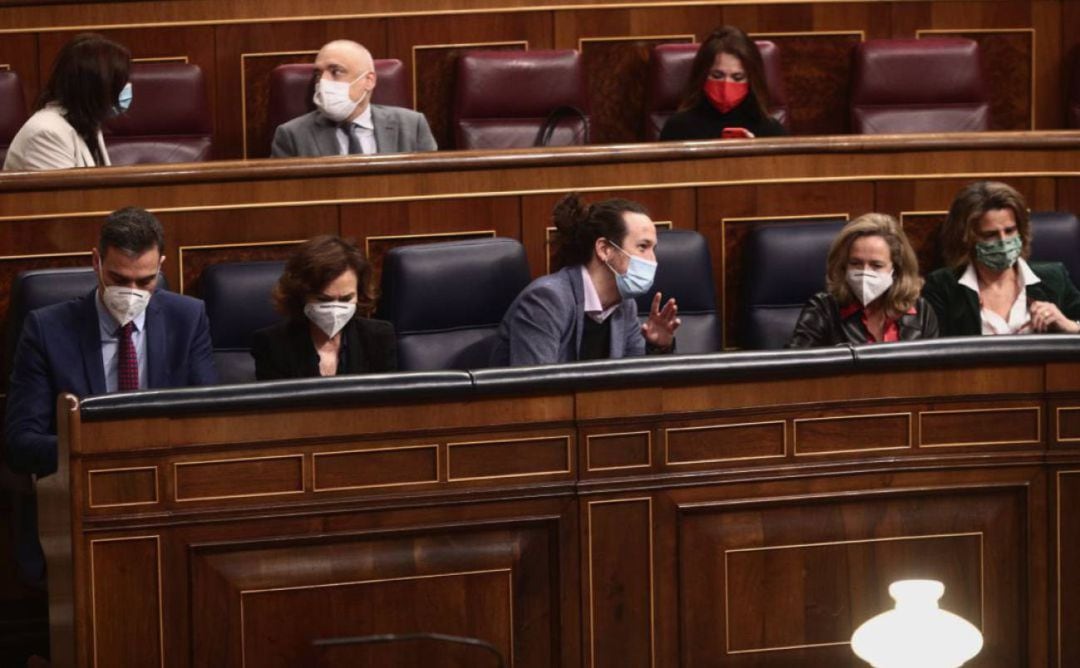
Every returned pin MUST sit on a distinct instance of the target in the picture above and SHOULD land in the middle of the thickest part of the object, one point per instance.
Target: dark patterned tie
(128, 369)
(355, 147)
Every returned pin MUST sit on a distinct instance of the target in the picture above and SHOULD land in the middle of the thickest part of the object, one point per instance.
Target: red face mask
(726, 95)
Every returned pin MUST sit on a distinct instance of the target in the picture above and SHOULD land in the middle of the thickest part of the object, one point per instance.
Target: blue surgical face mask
(123, 103)
(999, 254)
(638, 277)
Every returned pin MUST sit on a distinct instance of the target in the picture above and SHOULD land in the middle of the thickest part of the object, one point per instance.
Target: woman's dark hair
(315, 263)
(86, 80)
(732, 40)
(579, 225)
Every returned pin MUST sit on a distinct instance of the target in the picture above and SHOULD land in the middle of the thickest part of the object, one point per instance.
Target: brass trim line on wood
(652, 585)
(710, 427)
(588, 442)
(90, 487)
(767, 548)
(510, 603)
(315, 469)
(857, 416)
(201, 462)
(554, 437)
(93, 598)
(1038, 426)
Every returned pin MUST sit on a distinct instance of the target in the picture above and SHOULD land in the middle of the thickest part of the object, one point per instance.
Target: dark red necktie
(128, 369)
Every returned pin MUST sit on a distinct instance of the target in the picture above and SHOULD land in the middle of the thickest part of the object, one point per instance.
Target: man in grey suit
(345, 122)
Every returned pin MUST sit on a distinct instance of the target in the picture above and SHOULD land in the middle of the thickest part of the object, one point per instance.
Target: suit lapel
(157, 373)
(578, 289)
(90, 343)
(386, 130)
(324, 136)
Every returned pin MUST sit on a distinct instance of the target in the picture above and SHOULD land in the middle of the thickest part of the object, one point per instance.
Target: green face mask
(999, 254)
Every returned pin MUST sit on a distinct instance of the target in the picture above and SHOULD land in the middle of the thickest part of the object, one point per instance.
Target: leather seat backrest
(684, 271)
(238, 302)
(446, 300)
(502, 98)
(292, 87)
(169, 119)
(12, 110)
(1055, 237)
(918, 85)
(784, 266)
(669, 70)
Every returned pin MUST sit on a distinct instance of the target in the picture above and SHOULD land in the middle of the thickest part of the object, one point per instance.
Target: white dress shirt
(1019, 320)
(593, 308)
(364, 128)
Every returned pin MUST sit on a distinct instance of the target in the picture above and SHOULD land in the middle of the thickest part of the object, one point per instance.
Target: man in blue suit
(122, 336)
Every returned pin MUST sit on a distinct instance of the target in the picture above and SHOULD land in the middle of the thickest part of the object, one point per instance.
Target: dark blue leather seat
(684, 272)
(447, 299)
(784, 266)
(1055, 237)
(238, 302)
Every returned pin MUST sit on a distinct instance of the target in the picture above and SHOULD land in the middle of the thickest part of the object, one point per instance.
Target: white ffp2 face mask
(332, 98)
(125, 304)
(330, 317)
(867, 284)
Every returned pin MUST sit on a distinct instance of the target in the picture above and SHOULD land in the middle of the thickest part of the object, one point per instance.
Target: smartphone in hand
(736, 133)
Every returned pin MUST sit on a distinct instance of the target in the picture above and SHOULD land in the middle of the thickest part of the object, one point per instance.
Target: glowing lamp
(916, 633)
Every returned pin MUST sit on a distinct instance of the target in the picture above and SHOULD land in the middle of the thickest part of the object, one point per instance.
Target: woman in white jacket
(89, 82)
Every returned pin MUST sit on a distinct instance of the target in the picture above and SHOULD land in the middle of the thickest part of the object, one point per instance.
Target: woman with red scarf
(726, 91)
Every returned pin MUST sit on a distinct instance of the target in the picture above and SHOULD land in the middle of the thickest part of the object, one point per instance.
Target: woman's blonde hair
(904, 291)
(959, 233)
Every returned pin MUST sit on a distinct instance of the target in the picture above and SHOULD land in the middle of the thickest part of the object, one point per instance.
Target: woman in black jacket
(726, 90)
(872, 290)
(324, 284)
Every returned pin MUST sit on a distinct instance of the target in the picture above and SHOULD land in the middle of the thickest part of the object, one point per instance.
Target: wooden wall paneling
(1007, 58)
(378, 227)
(467, 572)
(817, 72)
(727, 213)
(619, 582)
(19, 54)
(1068, 194)
(616, 74)
(1066, 615)
(672, 207)
(195, 239)
(823, 566)
(1051, 62)
(119, 567)
(246, 53)
(615, 46)
(430, 48)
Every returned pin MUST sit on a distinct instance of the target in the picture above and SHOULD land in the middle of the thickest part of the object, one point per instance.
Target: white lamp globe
(916, 633)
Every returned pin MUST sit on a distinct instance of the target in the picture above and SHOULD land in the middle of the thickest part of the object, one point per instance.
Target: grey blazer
(397, 130)
(545, 323)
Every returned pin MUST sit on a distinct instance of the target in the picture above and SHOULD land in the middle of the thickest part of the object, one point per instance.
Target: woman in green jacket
(988, 287)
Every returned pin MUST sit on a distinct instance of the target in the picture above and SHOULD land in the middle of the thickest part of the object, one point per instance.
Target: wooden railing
(718, 510)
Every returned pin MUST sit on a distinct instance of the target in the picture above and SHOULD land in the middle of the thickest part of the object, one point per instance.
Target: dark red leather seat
(918, 85)
(169, 119)
(292, 87)
(12, 110)
(669, 70)
(503, 98)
